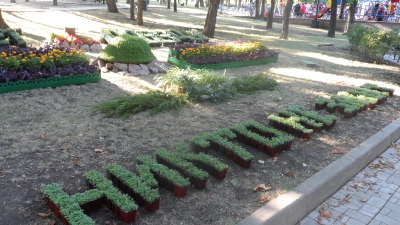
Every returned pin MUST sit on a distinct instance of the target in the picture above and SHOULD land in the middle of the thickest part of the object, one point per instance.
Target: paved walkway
(371, 197)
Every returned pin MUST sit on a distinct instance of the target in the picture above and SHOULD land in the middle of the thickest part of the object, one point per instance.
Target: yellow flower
(24, 60)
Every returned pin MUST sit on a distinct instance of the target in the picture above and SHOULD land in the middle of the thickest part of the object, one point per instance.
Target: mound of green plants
(127, 49)
(155, 101)
(249, 85)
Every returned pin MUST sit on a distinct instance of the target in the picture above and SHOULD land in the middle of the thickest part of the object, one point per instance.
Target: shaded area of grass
(250, 85)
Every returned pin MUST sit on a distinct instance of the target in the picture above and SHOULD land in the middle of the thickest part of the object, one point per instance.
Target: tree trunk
(54, 2)
(350, 17)
(285, 21)
(257, 15)
(342, 6)
(332, 21)
(271, 15)
(3, 24)
(111, 6)
(132, 10)
(201, 3)
(262, 9)
(222, 4)
(12, 1)
(175, 6)
(139, 19)
(211, 20)
(169, 4)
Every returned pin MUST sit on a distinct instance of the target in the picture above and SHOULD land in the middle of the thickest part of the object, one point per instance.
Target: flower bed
(30, 68)
(221, 55)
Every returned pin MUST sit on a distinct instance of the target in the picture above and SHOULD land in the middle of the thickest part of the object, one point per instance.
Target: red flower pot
(228, 153)
(96, 204)
(347, 115)
(139, 200)
(180, 191)
(64, 220)
(306, 136)
(340, 109)
(239, 137)
(235, 158)
(128, 217)
(220, 175)
(107, 202)
(86, 207)
(168, 185)
(245, 164)
(152, 207)
(57, 212)
(115, 208)
(123, 187)
(261, 147)
(199, 184)
(254, 143)
(246, 140)
(288, 145)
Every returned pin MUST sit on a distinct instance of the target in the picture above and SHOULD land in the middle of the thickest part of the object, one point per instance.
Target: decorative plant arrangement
(196, 176)
(13, 38)
(221, 141)
(30, 68)
(188, 36)
(171, 179)
(265, 139)
(291, 125)
(353, 101)
(121, 204)
(314, 117)
(134, 187)
(78, 40)
(90, 200)
(146, 176)
(157, 38)
(65, 207)
(221, 55)
(203, 161)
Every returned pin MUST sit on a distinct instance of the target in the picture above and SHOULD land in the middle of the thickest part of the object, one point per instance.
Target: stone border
(294, 205)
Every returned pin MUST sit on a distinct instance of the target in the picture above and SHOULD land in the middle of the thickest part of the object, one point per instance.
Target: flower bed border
(173, 60)
(22, 85)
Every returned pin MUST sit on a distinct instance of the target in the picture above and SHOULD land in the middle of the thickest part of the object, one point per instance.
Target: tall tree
(257, 16)
(285, 21)
(211, 20)
(175, 6)
(350, 17)
(12, 1)
(132, 10)
(201, 3)
(271, 15)
(111, 6)
(332, 20)
(262, 8)
(221, 3)
(54, 2)
(169, 4)
(139, 20)
(3, 24)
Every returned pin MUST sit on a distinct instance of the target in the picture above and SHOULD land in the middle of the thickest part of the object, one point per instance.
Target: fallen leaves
(76, 162)
(336, 152)
(274, 158)
(291, 175)
(53, 222)
(263, 199)
(261, 186)
(43, 214)
(44, 137)
(100, 150)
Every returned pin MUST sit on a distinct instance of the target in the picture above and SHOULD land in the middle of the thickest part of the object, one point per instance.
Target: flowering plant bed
(78, 40)
(221, 55)
(30, 68)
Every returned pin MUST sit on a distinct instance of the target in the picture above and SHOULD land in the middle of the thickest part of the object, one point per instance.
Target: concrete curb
(294, 205)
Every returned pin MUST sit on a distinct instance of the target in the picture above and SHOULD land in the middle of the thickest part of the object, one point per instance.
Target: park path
(371, 197)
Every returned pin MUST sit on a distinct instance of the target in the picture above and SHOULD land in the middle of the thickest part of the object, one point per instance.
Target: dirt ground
(43, 131)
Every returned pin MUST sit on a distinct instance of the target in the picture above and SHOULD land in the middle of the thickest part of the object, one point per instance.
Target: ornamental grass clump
(223, 52)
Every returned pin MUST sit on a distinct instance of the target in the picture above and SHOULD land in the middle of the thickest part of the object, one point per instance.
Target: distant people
(297, 10)
(303, 9)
